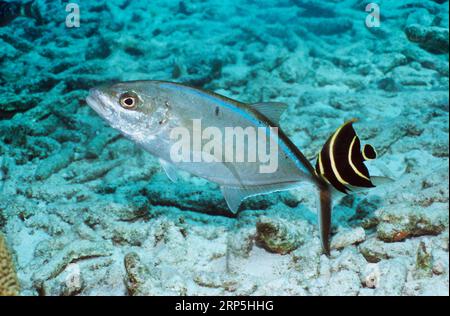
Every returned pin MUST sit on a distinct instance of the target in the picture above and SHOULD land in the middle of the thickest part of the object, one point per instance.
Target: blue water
(66, 176)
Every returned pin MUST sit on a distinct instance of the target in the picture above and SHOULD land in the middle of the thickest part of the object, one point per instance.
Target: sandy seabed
(86, 212)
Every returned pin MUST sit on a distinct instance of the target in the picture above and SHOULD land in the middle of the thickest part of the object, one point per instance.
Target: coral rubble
(87, 212)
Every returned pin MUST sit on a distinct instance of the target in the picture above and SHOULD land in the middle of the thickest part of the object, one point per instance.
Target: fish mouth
(93, 99)
(97, 101)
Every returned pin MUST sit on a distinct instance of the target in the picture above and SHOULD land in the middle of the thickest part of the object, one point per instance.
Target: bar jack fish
(14, 9)
(146, 112)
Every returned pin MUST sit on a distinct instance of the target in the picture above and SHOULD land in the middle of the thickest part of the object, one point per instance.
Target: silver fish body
(156, 108)
(174, 105)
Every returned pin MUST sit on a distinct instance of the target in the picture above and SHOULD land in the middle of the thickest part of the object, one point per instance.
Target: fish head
(133, 108)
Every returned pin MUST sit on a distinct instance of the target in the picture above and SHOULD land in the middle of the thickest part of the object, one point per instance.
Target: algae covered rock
(375, 250)
(54, 163)
(73, 252)
(280, 236)
(137, 274)
(403, 221)
(348, 237)
(433, 39)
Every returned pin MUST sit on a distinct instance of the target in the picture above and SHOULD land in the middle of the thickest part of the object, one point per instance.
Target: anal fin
(234, 195)
(381, 180)
(170, 170)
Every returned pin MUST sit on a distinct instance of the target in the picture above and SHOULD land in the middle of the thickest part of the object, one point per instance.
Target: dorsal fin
(271, 110)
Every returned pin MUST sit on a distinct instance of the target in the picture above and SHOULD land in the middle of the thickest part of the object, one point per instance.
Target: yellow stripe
(321, 165)
(333, 164)
(351, 162)
(321, 171)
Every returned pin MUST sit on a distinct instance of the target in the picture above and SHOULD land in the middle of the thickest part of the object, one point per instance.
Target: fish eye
(129, 100)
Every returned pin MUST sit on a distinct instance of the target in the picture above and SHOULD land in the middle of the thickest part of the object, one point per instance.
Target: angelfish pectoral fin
(170, 170)
(376, 180)
(380, 180)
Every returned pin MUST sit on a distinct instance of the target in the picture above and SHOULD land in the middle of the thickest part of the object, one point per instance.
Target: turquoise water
(80, 202)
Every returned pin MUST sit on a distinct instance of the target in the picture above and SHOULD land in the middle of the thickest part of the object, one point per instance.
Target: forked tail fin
(324, 216)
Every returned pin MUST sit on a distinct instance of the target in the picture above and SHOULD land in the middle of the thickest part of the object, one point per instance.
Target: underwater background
(83, 211)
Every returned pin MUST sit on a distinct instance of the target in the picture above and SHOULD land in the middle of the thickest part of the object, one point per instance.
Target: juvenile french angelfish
(147, 112)
(341, 161)
(10, 10)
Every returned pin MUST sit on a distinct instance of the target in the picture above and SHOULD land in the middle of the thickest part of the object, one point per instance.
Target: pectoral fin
(376, 180)
(170, 170)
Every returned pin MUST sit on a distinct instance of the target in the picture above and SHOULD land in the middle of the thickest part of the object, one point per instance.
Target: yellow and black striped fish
(341, 161)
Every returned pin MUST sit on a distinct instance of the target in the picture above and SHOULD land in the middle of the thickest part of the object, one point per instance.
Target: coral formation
(279, 236)
(433, 39)
(9, 284)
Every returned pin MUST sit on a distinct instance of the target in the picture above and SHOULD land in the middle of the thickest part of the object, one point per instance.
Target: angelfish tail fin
(324, 216)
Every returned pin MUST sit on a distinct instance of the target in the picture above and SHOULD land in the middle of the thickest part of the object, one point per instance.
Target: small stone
(371, 275)
(278, 235)
(388, 84)
(375, 250)
(438, 268)
(404, 221)
(348, 237)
